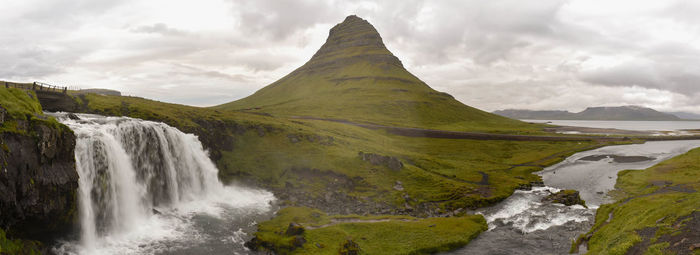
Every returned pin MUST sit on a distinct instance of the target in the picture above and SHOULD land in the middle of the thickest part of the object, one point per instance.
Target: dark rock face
(38, 183)
(375, 159)
(56, 101)
(566, 197)
(3, 112)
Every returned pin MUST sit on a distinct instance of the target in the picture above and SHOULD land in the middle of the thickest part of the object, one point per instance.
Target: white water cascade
(142, 184)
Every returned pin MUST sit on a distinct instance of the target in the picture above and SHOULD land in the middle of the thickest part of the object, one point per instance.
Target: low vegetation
(319, 164)
(17, 246)
(19, 109)
(656, 212)
(278, 152)
(324, 234)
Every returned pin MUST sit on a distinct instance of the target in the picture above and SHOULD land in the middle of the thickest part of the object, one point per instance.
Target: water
(627, 125)
(593, 179)
(147, 188)
(522, 224)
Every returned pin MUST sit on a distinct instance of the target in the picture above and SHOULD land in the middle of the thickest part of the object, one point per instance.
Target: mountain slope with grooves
(353, 76)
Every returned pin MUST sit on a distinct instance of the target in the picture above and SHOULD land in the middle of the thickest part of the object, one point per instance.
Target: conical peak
(351, 39)
(352, 28)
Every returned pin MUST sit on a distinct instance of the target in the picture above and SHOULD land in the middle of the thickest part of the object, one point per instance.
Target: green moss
(17, 246)
(643, 204)
(373, 234)
(23, 112)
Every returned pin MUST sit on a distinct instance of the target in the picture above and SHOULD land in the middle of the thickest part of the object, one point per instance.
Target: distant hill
(686, 115)
(353, 76)
(629, 112)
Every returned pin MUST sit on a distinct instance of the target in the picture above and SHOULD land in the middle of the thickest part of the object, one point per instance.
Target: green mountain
(628, 112)
(353, 76)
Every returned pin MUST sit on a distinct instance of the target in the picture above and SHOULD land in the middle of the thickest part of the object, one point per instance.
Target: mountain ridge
(626, 112)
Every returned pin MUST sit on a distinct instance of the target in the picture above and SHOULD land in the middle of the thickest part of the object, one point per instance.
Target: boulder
(566, 197)
(294, 229)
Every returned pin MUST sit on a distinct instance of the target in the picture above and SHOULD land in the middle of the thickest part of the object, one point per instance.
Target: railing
(37, 86)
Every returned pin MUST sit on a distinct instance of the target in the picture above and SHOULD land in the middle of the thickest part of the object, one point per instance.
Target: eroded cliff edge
(38, 179)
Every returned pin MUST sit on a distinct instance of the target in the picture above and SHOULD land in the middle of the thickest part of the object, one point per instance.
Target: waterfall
(134, 170)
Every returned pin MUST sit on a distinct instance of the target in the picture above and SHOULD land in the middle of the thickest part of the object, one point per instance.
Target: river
(147, 188)
(522, 224)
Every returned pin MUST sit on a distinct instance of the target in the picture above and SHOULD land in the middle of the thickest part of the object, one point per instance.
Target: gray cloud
(549, 54)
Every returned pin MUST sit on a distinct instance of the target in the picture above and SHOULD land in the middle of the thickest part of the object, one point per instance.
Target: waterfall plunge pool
(147, 188)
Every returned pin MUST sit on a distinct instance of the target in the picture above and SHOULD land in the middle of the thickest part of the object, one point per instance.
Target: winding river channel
(522, 224)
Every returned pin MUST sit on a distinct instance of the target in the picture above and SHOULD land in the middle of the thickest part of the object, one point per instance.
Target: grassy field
(373, 234)
(657, 209)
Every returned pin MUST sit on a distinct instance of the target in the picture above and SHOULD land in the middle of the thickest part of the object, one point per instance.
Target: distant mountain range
(628, 112)
(686, 115)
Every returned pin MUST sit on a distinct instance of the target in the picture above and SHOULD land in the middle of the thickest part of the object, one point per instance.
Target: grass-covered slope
(324, 234)
(305, 161)
(354, 77)
(658, 211)
(20, 109)
(346, 169)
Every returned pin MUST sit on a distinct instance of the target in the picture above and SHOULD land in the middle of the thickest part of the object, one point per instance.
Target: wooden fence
(37, 86)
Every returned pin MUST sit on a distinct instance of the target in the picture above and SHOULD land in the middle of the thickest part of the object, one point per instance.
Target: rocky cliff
(38, 180)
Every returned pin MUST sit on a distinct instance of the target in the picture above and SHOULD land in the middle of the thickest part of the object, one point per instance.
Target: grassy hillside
(278, 153)
(354, 77)
(658, 211)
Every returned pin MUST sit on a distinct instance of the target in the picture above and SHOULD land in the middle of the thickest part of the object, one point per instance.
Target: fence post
(34, 86)
(7, 86)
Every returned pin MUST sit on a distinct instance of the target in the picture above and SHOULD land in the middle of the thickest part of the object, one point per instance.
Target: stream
(521, 224)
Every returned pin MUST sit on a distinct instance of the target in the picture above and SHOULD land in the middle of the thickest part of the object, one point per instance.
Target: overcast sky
(496, 54)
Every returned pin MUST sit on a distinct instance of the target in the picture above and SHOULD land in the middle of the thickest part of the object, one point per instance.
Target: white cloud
(551, 54)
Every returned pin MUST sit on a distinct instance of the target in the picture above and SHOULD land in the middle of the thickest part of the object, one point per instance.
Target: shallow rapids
(522, 224)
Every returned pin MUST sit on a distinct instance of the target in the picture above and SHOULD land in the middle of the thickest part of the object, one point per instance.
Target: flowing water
(147, 188)
(522, 224)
